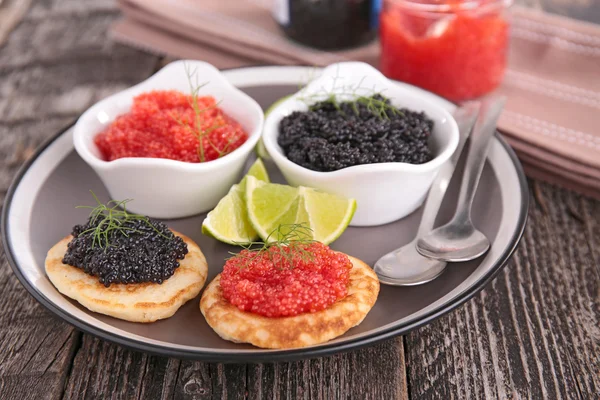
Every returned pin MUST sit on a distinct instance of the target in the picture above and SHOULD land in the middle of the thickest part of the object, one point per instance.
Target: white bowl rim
(276, 153)
(83, 150)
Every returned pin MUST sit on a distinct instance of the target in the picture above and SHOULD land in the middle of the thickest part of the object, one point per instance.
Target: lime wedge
(261, 150)
(271, 207)
(228, 221)
(258, 171)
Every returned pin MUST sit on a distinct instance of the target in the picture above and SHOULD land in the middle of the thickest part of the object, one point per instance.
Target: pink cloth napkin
(227, 34)
(552, 116)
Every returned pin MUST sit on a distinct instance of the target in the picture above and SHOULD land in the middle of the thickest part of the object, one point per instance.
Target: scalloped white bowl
(384, 192)
(165, 188)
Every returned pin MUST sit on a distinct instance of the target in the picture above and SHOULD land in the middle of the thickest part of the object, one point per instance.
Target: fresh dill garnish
(288, 247)
(354, 94)
(109, 218)
(197, 127)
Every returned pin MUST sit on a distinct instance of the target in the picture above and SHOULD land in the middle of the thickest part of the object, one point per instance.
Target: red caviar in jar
(168, 124)
(459, 54)
(307, 278)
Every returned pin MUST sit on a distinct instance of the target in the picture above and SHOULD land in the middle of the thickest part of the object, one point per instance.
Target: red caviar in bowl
(164, 124)
(308, 278)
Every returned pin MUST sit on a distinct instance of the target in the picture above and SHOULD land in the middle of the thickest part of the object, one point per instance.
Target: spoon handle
(465, 118)
(491, 107)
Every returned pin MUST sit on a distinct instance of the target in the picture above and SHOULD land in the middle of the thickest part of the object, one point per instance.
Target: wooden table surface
(533, 333)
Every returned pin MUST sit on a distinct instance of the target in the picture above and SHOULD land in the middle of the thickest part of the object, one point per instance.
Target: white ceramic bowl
(384, 192)
(165, 188)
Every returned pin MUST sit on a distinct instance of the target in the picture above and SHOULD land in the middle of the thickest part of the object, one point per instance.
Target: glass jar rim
(468, 5)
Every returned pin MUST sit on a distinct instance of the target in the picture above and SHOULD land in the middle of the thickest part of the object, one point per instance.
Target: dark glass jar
(328, 24)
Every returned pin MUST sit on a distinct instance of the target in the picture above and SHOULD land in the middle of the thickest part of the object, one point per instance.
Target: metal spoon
(405, 266)
(459, 240)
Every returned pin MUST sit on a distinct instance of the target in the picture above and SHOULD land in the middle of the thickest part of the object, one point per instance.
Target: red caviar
(308, 278)
(459, 54)
(164, 124)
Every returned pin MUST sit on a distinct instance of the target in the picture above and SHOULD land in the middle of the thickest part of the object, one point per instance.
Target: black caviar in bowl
(331, 136)
(143, 250)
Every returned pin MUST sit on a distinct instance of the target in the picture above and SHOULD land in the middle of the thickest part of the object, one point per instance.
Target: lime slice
(228, 222)
(261, 150)
(272, 208)
(258, 171)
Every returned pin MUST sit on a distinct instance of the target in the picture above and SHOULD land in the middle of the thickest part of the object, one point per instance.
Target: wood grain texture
(534, 332)
(56, 64)
(101, 368)
(36, 350)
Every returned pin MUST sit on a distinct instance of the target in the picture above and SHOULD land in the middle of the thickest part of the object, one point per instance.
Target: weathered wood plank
(534, 332)
(104, 370)
(51, 69)
(375, 372)
(36, 348)
(56, 64)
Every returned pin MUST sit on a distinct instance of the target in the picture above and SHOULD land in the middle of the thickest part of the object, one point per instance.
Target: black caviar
(331, 136)
(147, 252)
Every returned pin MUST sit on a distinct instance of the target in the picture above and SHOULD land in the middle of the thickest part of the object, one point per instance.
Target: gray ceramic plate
(39, 211)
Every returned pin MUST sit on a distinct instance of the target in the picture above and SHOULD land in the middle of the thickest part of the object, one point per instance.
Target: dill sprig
(289, 245)
(354, 94)
(107, 219)
(197, 127)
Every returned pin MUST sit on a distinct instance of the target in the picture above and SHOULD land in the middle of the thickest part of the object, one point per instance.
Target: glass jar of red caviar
(455, 48)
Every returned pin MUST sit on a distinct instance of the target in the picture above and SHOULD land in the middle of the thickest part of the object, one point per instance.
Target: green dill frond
(196, 128)
(112, 217)
(352, 94)
(289, 246)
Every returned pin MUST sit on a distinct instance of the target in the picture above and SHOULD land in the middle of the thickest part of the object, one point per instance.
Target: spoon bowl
(406, 267)
(453, 243)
